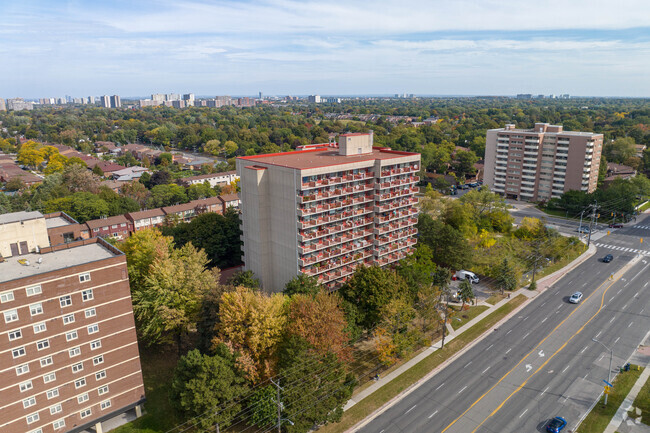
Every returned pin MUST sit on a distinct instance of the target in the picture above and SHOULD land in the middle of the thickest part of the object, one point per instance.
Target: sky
(335, 47)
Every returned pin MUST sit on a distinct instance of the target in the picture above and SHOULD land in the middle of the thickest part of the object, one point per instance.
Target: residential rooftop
(15, 217)
(11, 269)
(57, 221)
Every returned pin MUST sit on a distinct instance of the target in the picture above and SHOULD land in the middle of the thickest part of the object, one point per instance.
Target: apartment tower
(541, 163)
(325, 209)
(69, 356)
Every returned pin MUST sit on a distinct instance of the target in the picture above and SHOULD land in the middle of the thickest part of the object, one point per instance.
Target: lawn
(645, 207)
(642, 402)
(371, 403)
(496, 298)
(157, 369)
(460, 318)
(600, 416)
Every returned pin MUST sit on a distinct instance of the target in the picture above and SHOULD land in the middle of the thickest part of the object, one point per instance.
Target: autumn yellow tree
(252, 323)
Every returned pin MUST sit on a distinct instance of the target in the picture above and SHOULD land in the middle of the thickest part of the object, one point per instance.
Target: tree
(303, 284)
(199, 190)
(396, 335)
(77, 178)
(160, 177)
(230, 147)
(98, 170)
(213, 147)
(369, 289)
(202, 383)
(165, 159)
(56, 163)
(244, 279)
(505, 276)
(466, 292)
(620, 149)
(319, 320)
(252, 323)
(30, 154)
(135, 191)
(263, 407)
(15, 184)
(417, 270)
(166, 195)
(449, 247)
(464, 162)
(82, 206)
(169, 301)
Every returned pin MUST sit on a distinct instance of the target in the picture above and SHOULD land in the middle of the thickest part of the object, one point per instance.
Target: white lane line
(601, 357)
(525, 319)
(624, 306)
(382, 431)
(467, 365)
(643, 309)
(431, 416)
(636, 294)
(559, 306)
(508, 332)
(619, 291)
(526, 336)
(616, 341)
(599, 332)
(557, 292)
(612, 319)
(565, 369)
(646, 284)
(507, 351)
(630, 324)
(545, 303)
(489, 346)
(465, 387)
(523, 413)
(440, 386)
(485, 370)
(586, 376)
(544, 392)
(583, 350)
(544, 319)
(584, 284)
(410, 409)
(611, 299)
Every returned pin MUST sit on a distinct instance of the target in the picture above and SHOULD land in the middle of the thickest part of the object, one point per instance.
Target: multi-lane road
(542, 362)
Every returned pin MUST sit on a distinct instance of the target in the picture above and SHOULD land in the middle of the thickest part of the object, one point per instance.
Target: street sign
(609, 384)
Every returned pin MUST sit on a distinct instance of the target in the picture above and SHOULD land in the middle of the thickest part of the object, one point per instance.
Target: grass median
(371, 403)
(600, 416)
(642, 402)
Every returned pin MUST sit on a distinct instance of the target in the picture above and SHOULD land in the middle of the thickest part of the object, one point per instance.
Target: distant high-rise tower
(3, 107)
(105, 101)
(261, 96)
(116, 102)
(91, 100)
(188, 98)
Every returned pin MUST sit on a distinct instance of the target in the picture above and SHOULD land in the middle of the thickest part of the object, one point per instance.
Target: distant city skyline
(280, 47)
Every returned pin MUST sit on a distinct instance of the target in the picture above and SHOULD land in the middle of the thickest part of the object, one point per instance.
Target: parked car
(616, 225)
(556, 425)
(608, 258)
(583, 229)
(467, 275)
(473, 185)
(576, 298)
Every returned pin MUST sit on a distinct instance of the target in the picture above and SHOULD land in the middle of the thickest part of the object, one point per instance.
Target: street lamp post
(611, 355)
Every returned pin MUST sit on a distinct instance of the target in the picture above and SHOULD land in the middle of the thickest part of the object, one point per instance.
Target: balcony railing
(395, 171)
(411, 201)
(337, 180)
(339, 262)
(395, 236)
(386, 249)
(336, 240)
(399, 193)
(397, 182)
(400, 224)
(385, 260)
(325, 219)
(326, 207)
(338, 192)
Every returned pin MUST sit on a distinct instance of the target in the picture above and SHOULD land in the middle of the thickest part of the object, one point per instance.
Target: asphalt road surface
(541, 363)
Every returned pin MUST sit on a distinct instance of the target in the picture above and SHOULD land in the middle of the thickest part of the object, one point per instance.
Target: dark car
(583, 229)
(556, 425)
(608, 258)
(616, 226)
(473, 185)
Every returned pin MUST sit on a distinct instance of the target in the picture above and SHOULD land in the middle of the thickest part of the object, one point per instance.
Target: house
(640, 148)
(130, 173)
(113, 227)
(63, 229)
(107, 167)
(185, 212)
(9, 170)
(210, 204)
(618, 171)
(145, 219)
(214, 179)
(230, 200)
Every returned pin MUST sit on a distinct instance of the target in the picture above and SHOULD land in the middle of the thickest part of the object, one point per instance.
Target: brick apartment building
(541, 163)
(326, 209)
(69, 357)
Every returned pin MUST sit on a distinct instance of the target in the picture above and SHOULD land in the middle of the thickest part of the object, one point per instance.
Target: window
(87, 295)
(95, 230)
(102, 390)
(25, 386)
(80, 382)
(43, 344)
(95, 344)
(6, 297)
(71, 336)
(85, 413)
(11, 316)
(55, 409)
(90, 312)
(38, 430)
(92, 329)
(75, 351)
(83, 398)
(105, 404)
(18, 352)
(98, 360)
(68, 319)
(40, 327)
(50, 377)
(100, 375)
(32, 418)
(54, 392)
(34, 290)
(84, 277)
(15, 335)
(58, 424)
(28, 402)
(22, 369)
(65, 301)
(46, 361)
(77, 367)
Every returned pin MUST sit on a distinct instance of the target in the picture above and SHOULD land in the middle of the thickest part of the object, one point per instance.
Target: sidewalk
(542, 284)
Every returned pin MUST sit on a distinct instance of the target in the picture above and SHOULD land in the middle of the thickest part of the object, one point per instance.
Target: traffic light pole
(611, 355)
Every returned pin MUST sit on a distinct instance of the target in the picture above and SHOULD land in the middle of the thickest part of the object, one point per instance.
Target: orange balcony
(328, 181)
(406, 202)
(395, 236)
(396, 171)
(397, 182)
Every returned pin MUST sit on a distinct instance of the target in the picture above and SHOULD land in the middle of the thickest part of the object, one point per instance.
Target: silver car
(576, 297)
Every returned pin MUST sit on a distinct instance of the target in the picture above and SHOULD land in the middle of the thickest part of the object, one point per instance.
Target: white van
(471, 276)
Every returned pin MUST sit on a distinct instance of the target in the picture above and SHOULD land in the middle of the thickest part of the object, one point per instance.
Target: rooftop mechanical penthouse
(69, 356)
(327, 208)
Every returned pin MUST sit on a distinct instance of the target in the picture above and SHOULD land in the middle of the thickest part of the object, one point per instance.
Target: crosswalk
(622, 249)
(641, 227)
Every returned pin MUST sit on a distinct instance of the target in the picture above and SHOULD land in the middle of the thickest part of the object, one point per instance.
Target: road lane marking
(616, 341)
(611, 299)
(624, 306)
(431, 416)
(613, 318)
(599, 332)
(583, 350)
(440, 386)
(636, 294)
(565, 369)
(586, 376)
(489, 346)
(526, 336)
(546, 389)
(465, 387)
(467, 365)
(630, 324)
(485, 370)
(523, 413)
(508, 332)
(410, 409)
(619, 291)
(601, 357)
(544, 319)
(525, 319)
(544, 364)
(545, 303)
(559, 306)
(508, 351)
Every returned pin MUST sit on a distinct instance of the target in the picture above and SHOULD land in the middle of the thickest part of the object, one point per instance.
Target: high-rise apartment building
(18, 104)
(326, 209)
(105, 101)
(541, 163)
(3, 107)
(116, 101)
(69, 356)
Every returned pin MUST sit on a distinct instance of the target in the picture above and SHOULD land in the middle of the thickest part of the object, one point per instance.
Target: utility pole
(594, 208)
(611, 355)
(279, 404)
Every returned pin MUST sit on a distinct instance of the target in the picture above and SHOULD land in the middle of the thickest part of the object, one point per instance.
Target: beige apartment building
(541, 163)
(69, 356)
(325, 209)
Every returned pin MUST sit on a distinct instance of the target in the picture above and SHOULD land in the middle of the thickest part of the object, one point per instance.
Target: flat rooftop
(11, 270)
(533, 131)
(15, 217)
(56, 222)
(322, 157)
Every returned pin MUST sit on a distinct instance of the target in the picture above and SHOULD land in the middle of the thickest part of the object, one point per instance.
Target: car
(576, 298)
(608, 258)
(583, 229)
(473, 185)
(556, 425)
(616, 226)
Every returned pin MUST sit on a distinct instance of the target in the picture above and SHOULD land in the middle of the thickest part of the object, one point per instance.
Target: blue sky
(487, 47)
